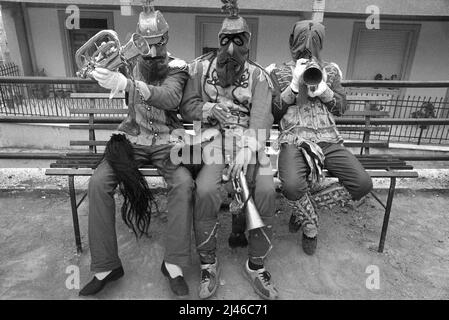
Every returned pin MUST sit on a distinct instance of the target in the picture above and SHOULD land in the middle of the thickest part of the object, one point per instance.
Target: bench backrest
(368, 127)
(117, 114)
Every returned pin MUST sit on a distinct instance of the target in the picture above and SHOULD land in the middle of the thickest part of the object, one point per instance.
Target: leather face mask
(231, 58)
(158, 47)
(306, 40)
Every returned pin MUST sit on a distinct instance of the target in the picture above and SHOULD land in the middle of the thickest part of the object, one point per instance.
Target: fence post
(420, 135)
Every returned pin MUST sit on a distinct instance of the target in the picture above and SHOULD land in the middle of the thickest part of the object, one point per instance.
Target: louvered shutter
(380, 52)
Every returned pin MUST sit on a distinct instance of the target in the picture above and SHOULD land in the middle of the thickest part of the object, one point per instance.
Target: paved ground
(37, 246)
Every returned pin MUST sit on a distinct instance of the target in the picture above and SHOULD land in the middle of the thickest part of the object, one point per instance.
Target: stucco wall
(431, 61)
(431, 57)
(47, 41)
(11, 37)
(398, 7)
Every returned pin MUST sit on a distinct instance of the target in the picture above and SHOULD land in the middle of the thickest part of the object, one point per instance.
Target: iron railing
(51, 97)
(401, 106)
(45, 96)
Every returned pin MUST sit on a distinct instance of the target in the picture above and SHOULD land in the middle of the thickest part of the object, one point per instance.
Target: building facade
(411, 42)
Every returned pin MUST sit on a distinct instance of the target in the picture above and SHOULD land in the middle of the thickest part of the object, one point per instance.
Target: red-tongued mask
(231, 58)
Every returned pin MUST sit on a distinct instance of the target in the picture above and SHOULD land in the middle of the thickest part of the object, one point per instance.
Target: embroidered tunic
(157, 104)
(252, 92)
(305, 118)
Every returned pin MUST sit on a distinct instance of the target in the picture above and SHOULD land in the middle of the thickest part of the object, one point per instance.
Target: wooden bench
(367, 114)
(76, 164)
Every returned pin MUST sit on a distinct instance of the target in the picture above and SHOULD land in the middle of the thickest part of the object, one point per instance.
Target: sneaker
(209, 279)
(260, 281)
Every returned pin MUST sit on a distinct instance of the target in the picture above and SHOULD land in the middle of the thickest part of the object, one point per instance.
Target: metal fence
(51, 97)
(417, 107)
(42, 96)
(9, 69)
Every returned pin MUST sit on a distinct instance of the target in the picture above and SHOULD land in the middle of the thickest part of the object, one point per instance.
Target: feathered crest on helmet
(231, 7)
(151, 22)
(148, 6)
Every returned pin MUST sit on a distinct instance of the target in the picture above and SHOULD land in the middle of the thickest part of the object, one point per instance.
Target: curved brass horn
(104, 50)
(242, 196)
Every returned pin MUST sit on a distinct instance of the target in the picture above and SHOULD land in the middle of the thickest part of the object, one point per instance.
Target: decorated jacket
(157, 104)
(302, 117)
(252, 91)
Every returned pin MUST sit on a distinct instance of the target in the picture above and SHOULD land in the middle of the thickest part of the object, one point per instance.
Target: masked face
(154, 66)
(306, 40)
(158, 47)
(231, 58)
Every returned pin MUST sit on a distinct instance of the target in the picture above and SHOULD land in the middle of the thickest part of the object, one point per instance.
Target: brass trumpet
(242, 197)
(104, 50)
(313, 74)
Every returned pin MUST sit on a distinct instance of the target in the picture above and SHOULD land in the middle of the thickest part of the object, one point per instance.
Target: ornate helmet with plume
(151, 22)
(233, 23)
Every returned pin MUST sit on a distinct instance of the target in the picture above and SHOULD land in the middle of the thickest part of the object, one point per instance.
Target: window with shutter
(382, 54)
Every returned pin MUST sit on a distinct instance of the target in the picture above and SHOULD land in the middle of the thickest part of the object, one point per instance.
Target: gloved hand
(322, 91)
(297, 74)
(113, 80)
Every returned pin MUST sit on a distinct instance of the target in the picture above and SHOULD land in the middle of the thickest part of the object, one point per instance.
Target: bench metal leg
(387, 214)
(76, 226)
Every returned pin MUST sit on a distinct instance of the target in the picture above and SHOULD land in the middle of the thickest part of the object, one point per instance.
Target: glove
(322, 91)
(113, 80)
(297, 74)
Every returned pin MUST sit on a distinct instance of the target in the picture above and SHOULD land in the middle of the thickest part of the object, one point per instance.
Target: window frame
(200, 21)
(409, 52)
(65, 38)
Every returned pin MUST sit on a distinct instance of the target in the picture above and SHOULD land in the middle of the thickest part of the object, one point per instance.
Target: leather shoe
(95, 285)
(177, 285)
(309, 244)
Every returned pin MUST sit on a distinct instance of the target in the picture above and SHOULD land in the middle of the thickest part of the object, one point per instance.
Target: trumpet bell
(101, 49)
(313, 75)
(253, 219)
(104, 50)
(136, 46)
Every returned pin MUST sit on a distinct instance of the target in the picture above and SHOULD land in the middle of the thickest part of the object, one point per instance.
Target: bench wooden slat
(366, 144)
(78, 162)
(401, 168)
(353, 97)
(389, 174)
(88, 143)
(94, 95)
(98, 111)
(361, 129)
(89, 172)
(371, 113)
(93, 126)
(154, 172)
(61, 163)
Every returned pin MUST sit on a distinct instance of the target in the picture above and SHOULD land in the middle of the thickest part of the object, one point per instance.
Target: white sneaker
(260, 281)
(210, 274)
